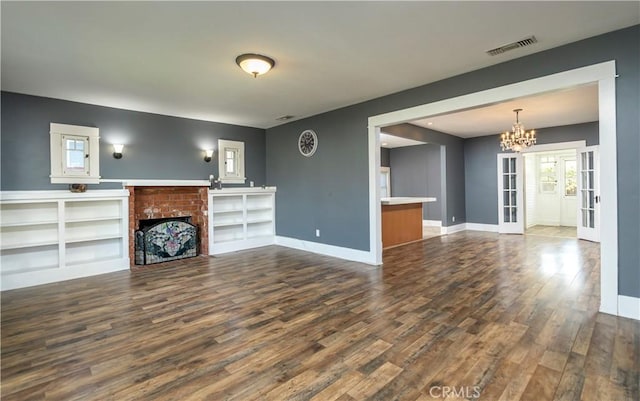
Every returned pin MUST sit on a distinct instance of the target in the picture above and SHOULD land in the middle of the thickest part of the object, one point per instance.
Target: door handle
(597, 198)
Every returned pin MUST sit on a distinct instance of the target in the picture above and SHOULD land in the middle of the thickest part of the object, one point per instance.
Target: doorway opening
(603, 75)
(550, 193)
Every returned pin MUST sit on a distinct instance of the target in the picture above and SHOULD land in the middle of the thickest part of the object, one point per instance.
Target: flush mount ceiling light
(518, 139)
(255, 64)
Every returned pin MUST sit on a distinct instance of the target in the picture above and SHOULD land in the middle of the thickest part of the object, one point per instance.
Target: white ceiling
(177, 58)
(391, 141)
(572, 106)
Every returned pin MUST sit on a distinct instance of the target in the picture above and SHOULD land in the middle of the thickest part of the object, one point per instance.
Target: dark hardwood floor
(469, 315)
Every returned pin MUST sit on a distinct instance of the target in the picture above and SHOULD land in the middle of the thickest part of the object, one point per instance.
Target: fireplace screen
(162, 240)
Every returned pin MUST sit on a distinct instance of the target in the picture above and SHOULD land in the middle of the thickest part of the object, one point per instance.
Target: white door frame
(604, 75)
(551, 147)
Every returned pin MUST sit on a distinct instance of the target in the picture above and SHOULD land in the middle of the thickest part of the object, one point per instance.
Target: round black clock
(308, 143)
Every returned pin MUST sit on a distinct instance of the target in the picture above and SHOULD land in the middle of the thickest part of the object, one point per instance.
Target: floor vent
(521, 43)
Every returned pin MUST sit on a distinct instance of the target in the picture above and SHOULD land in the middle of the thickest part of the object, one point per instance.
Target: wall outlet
(317, 232)
(453, 219)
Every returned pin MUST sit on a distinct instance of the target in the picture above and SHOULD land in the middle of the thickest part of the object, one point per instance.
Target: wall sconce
(208, 153)
(117, 150)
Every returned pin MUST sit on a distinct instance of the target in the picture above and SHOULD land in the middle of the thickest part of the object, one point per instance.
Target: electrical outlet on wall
(317, 232)
(453, 219)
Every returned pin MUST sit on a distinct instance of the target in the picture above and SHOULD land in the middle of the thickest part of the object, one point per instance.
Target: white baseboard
(328, 250)
(552, 223)
(431, 223)
(454, 229)
(234, 246)
(629, 307)
(493, 228)
(33, 278)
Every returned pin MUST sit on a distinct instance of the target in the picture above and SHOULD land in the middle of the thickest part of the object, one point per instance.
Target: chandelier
(518, 139)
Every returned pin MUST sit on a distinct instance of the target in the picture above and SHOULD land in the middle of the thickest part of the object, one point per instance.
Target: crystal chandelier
(517, 140)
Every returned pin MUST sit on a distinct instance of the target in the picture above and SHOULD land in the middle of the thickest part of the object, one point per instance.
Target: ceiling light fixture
(255, 64)
(518, 139)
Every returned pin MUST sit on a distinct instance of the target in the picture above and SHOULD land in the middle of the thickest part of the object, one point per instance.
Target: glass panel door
(510, 180)
(588, 194)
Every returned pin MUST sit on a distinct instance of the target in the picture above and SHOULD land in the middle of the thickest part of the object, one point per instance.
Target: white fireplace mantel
(159, 183)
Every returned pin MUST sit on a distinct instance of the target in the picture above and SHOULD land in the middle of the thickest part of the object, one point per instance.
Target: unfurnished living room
(320, 201)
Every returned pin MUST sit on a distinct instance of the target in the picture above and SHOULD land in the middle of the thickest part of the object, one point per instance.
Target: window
(547, 174)
(570, 178)
(74, 154)
(231, 161)
(75, 161)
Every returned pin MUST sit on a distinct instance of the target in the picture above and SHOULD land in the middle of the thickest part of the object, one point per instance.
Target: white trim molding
(431, 223)
(339, 252)
(134, 182)
(453, 229)
(629, 307)
(604, 75)
(491, 228)
(549, 147)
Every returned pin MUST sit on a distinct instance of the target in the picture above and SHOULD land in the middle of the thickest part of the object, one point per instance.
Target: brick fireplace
(155, 202)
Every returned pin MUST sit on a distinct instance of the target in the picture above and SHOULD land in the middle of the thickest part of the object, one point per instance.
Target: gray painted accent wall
(481, 168)
(156, 146)
(327, 191)
(344, 148)
(385, 154)
(452, 196)
(416, 171)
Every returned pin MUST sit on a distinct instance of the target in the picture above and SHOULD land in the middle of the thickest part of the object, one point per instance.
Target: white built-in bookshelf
(48, 236)
(241, 218)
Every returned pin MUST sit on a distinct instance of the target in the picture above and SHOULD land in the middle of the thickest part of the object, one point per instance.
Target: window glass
(570, 178)
(75, 154)
(230, 161)
(547, 174)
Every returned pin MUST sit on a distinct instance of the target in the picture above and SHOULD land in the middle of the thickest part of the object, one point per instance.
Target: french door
(510, 194)
(589, 194)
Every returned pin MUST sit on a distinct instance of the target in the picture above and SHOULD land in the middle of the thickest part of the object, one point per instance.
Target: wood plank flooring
(552, 231)
(465, 316)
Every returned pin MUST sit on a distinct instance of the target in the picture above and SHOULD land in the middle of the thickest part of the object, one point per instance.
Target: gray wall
(481, 167)
(416, 171)
(452, 167)
(328, 191)
(156, 146)
(343, 148)
(385, 154)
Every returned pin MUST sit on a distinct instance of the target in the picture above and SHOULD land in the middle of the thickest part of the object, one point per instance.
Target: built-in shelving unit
(241, 218)
(48, 236)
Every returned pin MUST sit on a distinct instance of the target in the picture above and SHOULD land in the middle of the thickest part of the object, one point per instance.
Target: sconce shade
(117, 150)
(255, 64)
(208, 153)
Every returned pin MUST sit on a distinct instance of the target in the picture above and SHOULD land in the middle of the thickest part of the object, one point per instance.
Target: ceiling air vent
(521, 43)
(284, 118)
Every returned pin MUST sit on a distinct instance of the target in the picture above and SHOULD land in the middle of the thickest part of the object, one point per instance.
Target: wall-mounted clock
(308, 143)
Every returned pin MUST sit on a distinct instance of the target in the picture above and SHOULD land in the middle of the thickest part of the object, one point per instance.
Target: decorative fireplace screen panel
(166, 240)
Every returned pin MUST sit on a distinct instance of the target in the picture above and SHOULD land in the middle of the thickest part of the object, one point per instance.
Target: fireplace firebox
(163, 240)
